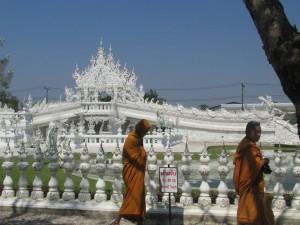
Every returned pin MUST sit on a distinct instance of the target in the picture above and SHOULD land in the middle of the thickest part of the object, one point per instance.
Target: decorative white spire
(105, 75)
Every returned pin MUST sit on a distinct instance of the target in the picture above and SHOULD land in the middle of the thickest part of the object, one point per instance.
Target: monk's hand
(266, 168)
(266, 161)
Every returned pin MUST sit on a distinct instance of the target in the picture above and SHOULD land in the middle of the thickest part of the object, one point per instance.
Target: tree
(5, 80)
(203, 106)
(281, 43)
(152, 95)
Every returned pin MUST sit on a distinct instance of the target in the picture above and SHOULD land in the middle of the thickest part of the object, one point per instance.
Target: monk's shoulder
(132, 139)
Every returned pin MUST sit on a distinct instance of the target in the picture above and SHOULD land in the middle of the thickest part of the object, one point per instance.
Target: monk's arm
(256, 162)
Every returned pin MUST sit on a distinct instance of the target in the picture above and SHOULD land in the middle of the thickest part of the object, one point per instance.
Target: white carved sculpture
(84, 167)
(8, 165)
(68, 157)
(100, 195)
(23, 166)
(223, 170)
(53, 193)
(117, 168)
(151, 197)
(37, 166)
(279, 172)
(105, 75)
(296, 172)
(186, 199)
(204, 199)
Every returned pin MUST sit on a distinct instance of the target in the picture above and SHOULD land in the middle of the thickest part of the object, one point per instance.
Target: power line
(210, 87)
(217, 98)
(35, 88)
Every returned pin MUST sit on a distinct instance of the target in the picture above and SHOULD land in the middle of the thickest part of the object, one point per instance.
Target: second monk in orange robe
(254, 206)
(134, 161)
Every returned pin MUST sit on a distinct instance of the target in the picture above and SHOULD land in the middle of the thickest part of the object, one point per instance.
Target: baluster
(186, 199)
(151, 197)
(168, 159)
(267, 177)
(68, 157)
(204, 199)
(53, 193)
(8, 165)
(37, 166)
(23, 166)
(296, 172)
(100, 195)
(117, 167)
(84, 167)
(223, 170)
(279, 172)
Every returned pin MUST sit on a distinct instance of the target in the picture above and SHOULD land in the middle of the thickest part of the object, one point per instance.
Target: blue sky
(170, 44)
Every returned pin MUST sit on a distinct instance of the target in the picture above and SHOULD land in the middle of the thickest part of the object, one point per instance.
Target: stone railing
(102, 106)
(187, 204)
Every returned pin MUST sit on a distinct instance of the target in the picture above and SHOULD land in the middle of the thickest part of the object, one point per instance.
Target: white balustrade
(223, 170)
(186, 199)
(68, 157)
(100, 195)
(151, 197)
(8, 165)
(84, 167)
(279, 172)
(23, 166)
(117, 168)
(53, 193)
(204, 199)
(37, 166)
(296, 172)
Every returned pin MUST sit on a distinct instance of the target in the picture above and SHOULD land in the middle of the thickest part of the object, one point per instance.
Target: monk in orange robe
(254, 206)
(134, 161)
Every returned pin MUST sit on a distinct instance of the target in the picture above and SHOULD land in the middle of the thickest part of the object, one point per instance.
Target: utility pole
(243, 85)
(47, 90)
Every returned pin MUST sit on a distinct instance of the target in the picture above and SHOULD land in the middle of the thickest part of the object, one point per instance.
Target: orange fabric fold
(134, 161)
(254, 206)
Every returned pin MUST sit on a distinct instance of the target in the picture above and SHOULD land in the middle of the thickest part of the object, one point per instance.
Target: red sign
(168, 179)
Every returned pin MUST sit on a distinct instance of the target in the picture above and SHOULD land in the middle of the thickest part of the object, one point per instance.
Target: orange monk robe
(254, 206)
(134, 161)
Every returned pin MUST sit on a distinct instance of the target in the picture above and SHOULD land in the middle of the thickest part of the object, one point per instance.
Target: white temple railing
(111, 140)
(102, 106)
(115, 169)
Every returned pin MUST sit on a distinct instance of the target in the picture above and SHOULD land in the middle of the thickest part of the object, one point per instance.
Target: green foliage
(5, 76)
(152, 95)
(203, 107)
(8, 99)
(5, 80)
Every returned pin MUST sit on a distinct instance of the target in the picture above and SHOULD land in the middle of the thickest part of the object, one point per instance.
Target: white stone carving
(186, 159)
(100, 195)
(8, 165)
(280, 170)
(151, 197)
(204, 199)
(23, 166)
(84, 194)
(37, 166)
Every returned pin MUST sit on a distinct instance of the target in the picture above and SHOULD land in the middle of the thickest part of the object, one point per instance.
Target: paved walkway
(29, 218)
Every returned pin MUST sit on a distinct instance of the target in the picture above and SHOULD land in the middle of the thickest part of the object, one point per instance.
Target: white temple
(84, 119)
(85, 124)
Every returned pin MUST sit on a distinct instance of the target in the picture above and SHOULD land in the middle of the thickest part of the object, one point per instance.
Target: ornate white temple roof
(105, 75)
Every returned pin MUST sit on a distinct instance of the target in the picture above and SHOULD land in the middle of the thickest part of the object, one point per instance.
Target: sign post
(168, 180)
